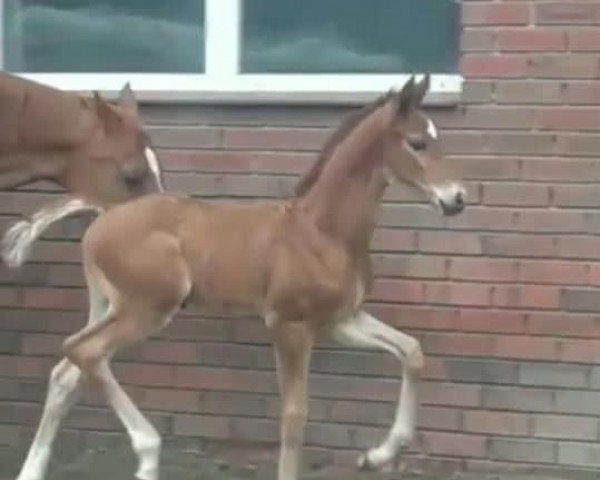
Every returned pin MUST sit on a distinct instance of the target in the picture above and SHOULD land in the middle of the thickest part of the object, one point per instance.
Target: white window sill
(248, 89)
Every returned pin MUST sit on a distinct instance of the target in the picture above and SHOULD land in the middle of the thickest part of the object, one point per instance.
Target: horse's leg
(91, 348)
(63, 393)
(293, 346)
(363, 330)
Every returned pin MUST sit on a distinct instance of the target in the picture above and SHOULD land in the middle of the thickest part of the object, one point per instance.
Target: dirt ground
(188, 464)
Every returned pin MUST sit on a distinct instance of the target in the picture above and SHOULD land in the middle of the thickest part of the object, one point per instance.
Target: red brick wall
(504, 298)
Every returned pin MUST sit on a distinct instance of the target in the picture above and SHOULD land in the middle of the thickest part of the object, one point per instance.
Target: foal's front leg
(363, 330)
(293, 347)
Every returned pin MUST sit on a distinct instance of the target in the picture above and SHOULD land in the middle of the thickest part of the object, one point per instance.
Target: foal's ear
(405, 96)
(420, 90)
(107, 115)
(127, 98)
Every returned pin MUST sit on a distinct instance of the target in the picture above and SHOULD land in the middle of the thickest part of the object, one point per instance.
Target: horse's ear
(420, 90)
(405, 96)
(110, 119)
(127, 98)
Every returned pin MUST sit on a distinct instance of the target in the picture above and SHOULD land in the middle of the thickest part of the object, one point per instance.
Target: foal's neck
(344, 199)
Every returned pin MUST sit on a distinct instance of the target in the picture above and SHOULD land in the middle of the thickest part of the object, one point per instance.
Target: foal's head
(117, 162)
(412, 152)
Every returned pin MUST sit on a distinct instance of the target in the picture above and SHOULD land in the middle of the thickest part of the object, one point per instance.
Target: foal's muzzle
(451, 199)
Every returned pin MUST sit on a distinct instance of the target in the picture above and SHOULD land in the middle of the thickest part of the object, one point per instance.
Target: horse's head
(412, 152)
(118, 162)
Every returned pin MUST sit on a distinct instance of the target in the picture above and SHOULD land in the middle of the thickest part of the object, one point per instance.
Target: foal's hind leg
(63, 393)
(91, 349)
(363, 330)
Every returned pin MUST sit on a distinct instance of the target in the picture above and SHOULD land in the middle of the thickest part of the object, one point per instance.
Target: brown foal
(97, 151)
(302, 264)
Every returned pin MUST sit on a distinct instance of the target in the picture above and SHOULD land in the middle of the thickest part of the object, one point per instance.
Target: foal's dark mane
(347, 125)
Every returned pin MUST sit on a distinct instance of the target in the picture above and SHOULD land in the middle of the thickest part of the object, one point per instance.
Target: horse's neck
(41, 129)
(22, 167)
(345, 198)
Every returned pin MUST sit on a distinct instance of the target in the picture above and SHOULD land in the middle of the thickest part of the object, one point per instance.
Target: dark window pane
(350, 36)
(104, 36)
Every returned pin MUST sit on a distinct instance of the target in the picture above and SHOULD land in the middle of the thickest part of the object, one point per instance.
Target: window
(252, 50)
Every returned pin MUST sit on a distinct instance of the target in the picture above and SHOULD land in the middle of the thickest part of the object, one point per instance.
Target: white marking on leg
(431, 129)
(144, 438)
(154, 167)
(363, 330)
(63, 393)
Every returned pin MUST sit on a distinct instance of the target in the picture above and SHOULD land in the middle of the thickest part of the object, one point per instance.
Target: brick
(170, 400)
(276, 138)
(526, 347)
(518, 399)
(449, 242)
(480, 371)
(386, 239)
(521, 450)
(517, 245)
(42, 344)
(483, 269)
(483, 13)
(578, 144)
(484, 320)
(578, 403)
(553, 375)
(582, 351)
(477, 65)
(476, 92)
(330, 435)
(457, 344)
(562, 324)
(582, 454)
(577, 247)
(576, 196)
(414, 316)
(453, 444)
(581, 66)
(594, 274)
(565, 118)
(516, 194)
(370, 413)
(573, 170)
(450, 394)
(565, 427)
(531, 40)
(397, 291)
(528, 92)
(446, 293)
(202, 426)
(10, 435)
(580, 300)
(584, 40)
(477, 40)
(578, 12)
(496, 423)
(439, 418)
(10, 343)
(487, 117)
(463, 142)
(526, 296)
(553, 221)
(412, 216)
(416, 266)
(582, 93)
(219, 161)
(553, 272)
(521, 143)
(185, 137)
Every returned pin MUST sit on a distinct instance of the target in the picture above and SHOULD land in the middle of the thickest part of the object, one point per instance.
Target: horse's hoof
(364, 463)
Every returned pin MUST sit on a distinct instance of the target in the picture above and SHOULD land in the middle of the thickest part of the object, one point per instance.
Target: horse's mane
(347, 125)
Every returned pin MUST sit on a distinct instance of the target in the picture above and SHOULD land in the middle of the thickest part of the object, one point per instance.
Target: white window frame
(222, 81)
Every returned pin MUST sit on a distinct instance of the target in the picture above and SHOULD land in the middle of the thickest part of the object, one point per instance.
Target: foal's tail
(19, 239)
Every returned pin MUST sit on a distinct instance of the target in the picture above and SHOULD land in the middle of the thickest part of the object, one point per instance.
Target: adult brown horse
(302, 264)
(97, 151)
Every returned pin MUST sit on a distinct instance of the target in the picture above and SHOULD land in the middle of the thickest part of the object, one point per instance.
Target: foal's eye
(417, 145)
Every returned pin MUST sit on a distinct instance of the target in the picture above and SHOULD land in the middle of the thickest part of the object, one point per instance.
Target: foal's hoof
(365, 464)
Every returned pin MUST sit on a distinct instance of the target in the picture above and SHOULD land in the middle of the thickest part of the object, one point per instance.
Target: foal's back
(255, 257)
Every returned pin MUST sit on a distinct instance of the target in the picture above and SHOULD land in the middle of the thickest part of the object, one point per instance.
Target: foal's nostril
(460, 200)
